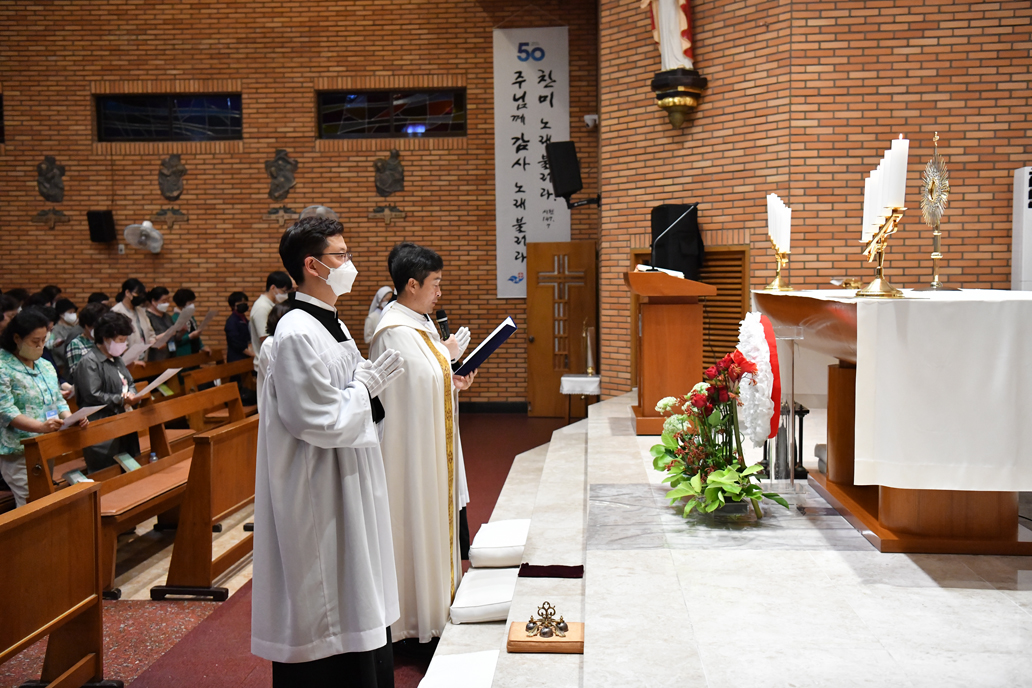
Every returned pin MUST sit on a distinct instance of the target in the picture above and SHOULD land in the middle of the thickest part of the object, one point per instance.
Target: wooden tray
(572, 644)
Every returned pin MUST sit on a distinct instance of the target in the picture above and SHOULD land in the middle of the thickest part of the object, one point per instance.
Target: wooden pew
(223, 372)
(65, 447)
(222, 477)
(52, 585)
(151, 369)
(156, 489)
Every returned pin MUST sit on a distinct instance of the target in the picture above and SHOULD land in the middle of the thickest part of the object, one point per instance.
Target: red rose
(711, 372)
(723, 395)
(698, 401)
(725, 362)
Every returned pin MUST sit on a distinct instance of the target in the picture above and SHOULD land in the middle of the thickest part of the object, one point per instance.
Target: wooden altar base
(859, 505)
(647, 425)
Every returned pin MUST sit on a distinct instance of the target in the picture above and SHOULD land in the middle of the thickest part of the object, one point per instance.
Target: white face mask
(280, 298)
(89, 332)
(69, 318)
(116, 348)
(340, 279)
(163, 307)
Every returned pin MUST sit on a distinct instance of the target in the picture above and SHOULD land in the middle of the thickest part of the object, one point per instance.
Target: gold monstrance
(935, 190)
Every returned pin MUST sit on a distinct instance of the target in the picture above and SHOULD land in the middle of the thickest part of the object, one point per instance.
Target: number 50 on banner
(537, 53)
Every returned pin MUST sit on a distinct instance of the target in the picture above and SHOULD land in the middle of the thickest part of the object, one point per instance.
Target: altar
(928, 435)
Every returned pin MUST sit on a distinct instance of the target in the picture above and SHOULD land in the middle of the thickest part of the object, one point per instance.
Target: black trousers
(372, 669)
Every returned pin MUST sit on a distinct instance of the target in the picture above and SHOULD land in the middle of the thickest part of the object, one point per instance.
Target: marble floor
(798, 598)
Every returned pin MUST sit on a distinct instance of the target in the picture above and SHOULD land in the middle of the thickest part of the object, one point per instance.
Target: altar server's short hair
(413, 262)
(306, 237)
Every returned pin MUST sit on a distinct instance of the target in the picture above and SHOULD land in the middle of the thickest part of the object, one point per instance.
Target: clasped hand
(457, 343)
(376, 375)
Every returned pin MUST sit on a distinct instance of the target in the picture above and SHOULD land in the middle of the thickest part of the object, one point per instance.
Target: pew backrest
(223, 372)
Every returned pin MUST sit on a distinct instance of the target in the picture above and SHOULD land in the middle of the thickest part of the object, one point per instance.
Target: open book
(487, 347)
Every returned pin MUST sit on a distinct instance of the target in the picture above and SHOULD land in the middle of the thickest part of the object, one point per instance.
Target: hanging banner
(532, 108)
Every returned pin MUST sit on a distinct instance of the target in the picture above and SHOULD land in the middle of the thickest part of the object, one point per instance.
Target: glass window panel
(170, 117)
(379, 114)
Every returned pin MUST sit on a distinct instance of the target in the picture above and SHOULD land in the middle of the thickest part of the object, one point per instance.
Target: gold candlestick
(880, 288)
(779, 283)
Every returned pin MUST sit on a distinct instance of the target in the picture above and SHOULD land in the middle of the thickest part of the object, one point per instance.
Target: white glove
(462, 337)
(376, 375)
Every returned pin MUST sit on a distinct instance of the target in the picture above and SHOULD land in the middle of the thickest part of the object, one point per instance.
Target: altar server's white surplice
(324, 579)
(425, 476)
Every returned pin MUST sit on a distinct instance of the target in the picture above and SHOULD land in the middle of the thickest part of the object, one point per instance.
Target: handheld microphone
(442, 322)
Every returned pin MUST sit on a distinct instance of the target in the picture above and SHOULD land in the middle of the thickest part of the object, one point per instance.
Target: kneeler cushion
(499, 544)
(484, 595)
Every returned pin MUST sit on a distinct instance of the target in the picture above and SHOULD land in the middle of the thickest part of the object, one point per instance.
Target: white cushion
(484, 595)
(469, 669)
(499, 544)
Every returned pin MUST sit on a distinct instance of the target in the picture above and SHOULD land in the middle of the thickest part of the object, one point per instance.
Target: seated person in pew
(78, 347)
(265, 354)
(101, 378)
(158, 303)
(189, 341)
(30, 398)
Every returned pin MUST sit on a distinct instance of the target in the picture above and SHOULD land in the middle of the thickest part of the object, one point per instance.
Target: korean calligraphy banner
(532, 108)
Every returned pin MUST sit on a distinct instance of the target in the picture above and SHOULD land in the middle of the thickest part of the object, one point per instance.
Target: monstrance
(935, 190)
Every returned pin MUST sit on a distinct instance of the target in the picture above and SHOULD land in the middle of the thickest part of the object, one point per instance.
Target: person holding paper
(426, 481)
(158, 303)
(78, 347)
(190, 338)
(30, 398)
(324, 591)
(101, 378)
(130, 304)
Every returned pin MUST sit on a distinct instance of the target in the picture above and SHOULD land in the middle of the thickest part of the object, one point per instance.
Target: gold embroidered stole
(449, 443)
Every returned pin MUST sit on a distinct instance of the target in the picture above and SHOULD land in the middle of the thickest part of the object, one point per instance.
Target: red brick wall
(52, 60)
(803, 99)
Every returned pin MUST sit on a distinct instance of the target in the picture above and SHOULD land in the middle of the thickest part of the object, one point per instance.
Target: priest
(421, 448)
(325, 592)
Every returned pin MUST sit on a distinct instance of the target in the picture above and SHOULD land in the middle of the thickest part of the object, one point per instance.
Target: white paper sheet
(79, 415)
(134, 352)
(159, 380)
(207, 320)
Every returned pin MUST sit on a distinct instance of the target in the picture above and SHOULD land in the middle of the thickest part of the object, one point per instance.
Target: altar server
(421, 448)
(325, 592)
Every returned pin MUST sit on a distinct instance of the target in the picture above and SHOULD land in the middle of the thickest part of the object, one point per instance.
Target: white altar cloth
(943, 389)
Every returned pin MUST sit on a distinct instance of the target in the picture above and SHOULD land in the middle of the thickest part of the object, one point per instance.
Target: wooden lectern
(669, 341)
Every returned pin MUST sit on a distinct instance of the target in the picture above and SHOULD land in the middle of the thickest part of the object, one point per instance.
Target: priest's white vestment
(425, 477)
(324, 581)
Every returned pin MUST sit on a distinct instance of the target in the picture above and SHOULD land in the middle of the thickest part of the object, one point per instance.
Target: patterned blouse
(25, 391)
(76, 349)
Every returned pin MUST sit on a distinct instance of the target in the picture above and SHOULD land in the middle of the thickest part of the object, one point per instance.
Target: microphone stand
(652, 258)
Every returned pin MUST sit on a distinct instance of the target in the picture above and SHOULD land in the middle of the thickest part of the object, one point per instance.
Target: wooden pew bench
(223, 372)
(221, 482)
(127, 499)
(52, 585)
(152, 369)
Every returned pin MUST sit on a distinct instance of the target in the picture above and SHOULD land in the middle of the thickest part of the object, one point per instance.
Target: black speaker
(102, 225)
(681, 249)
(562, 161)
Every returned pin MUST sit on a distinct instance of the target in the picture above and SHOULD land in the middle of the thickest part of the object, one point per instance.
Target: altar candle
(787, 229)
(770, 218)
(896, 183)
(868, 222)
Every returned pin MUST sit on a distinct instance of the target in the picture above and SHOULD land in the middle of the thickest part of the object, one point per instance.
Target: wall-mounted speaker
(1021, 235)
(102, 225)
(562, 161)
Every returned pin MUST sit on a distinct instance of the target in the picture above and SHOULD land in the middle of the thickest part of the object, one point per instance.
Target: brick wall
(803, 99)
(53, 60)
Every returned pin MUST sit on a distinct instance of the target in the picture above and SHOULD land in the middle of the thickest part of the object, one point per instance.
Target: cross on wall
(561, 279)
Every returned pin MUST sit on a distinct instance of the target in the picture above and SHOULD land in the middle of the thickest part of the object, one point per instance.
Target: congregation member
(380, 300)
(100, 297)
(102, 379)
(265, 353)
(158, 303)
(18, 294)
(8, 309)
(50, 313)
(324, 592)
(66, 329)
(129, 303)
(190, 339)
(50, 293)
(422, 452)
(77, 348)
(238, 335)
(277, 288)
(30, 398)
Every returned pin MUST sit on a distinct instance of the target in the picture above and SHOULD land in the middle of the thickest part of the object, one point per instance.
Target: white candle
(787, 229)
(770, 218)
(896, 182)
(868, 222)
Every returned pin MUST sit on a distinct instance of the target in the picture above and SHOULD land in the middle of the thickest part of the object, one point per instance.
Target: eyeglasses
(345, 256)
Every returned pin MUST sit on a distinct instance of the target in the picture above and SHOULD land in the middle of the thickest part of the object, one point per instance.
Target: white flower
(665, 404)
(673, 424)
(755, 389)
(700, 388)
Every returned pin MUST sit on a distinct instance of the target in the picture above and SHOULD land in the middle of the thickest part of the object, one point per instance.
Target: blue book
(487, 347)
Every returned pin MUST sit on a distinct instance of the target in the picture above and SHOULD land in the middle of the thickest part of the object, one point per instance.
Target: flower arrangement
(701, 445)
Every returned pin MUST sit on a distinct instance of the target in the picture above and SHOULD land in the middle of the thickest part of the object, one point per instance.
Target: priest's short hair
(413, 262)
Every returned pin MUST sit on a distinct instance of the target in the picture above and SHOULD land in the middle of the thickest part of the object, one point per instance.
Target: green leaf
(692, 503)
(696, 482)
(671, 479)
(775, 497)
(677, 493)
(714, 419)
(710, 507)
(755, 468)
(658, 450)
(732, 489)
(668, 441)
